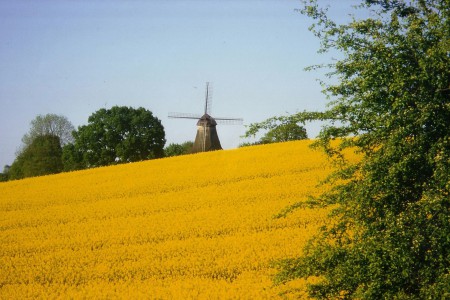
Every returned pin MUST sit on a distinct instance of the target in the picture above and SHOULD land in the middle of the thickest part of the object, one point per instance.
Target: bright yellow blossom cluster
(189, 227)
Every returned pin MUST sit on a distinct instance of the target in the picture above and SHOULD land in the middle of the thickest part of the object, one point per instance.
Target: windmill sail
(178, 115)
(208, 96)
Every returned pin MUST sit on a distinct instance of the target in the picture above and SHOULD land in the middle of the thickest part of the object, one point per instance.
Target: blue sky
(74, 57)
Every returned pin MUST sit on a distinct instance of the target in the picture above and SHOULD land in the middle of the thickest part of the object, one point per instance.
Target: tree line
(112, 136)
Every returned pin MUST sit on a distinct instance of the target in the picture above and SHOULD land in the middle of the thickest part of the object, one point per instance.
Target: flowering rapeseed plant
(196, 226)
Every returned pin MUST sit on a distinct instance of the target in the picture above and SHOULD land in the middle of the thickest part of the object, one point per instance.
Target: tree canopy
(41, 151)
(49, 124)
(278, 129)
(4, 176)
(285, 132)
(174, 149)
(117, 135)
(41, 157)
(390, 101)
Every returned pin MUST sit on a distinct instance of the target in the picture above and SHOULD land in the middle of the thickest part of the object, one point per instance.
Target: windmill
(207, 138)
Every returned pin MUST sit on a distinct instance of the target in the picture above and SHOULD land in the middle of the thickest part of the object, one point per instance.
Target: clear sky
(72, 58)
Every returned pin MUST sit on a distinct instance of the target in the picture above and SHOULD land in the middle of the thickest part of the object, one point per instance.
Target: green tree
(290, 131)
(49, 124)
(4, 176)
(391, 210)
(178, 149)
(72, 158)
(118, 135)
(41, 157)
(278, 129)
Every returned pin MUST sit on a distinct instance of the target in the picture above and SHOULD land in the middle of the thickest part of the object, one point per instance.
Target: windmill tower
(207, 138)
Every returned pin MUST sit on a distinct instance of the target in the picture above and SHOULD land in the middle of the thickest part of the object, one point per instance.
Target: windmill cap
(206, 120)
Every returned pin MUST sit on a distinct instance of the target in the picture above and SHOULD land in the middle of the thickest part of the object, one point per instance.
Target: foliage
(49, 124)
(284, 133)
(41, 157)
(72, 158)
(191, 227)
(178, 149)
(117, 135)
(285, 121)
(4, 176)
(279, 129)
(390, 234)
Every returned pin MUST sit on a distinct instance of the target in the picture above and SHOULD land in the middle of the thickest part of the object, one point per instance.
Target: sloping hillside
(194, 226)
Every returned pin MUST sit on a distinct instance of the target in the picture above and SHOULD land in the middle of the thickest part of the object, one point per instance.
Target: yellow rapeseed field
(189, 227)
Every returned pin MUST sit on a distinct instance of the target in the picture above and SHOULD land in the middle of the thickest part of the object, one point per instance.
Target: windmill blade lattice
(208, 97)
(229, 121)
(177, 115)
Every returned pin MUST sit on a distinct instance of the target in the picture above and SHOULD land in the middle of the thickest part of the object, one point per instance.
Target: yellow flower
(192, 227)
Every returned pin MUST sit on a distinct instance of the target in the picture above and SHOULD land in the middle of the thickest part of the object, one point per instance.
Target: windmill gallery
(207, 138)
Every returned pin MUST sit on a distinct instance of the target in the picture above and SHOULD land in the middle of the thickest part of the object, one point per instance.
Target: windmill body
(206, 138)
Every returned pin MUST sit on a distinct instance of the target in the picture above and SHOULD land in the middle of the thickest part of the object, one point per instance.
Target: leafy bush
(389, 238)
